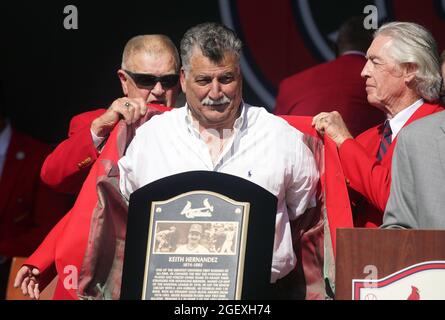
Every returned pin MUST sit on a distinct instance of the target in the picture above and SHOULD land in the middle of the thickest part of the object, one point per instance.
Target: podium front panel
(387, 254)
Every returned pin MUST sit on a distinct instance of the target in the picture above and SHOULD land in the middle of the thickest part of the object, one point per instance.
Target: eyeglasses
(148, 80)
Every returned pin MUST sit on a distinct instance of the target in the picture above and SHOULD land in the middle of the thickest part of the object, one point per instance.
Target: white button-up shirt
(264, 149)
(402, 117)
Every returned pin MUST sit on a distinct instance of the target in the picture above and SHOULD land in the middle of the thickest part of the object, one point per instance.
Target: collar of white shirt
(402, 117)
(193, 126)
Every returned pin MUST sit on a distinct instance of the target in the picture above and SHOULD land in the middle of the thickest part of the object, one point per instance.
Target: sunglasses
(148, 80)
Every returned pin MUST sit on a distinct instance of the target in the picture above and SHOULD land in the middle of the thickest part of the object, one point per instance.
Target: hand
(332, 124)
(130, 110)
(28, 280)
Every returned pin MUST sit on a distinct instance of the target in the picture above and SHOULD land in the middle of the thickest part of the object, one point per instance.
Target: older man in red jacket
(148, 74)
(402, 79)
(79, 247)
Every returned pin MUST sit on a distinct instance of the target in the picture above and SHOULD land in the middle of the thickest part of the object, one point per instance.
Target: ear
(410, 72)
(124, 81)
(182, 79)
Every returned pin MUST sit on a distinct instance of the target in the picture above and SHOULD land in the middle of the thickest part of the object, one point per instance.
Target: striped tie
(385, 142)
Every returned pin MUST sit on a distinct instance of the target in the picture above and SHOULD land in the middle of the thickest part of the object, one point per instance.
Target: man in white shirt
(217, 131)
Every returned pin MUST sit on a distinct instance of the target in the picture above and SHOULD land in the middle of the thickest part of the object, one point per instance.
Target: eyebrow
(228, 74)
(374, 57)
(202, 76)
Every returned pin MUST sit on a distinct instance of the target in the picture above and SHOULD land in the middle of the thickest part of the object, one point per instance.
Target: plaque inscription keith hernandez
(196, 248)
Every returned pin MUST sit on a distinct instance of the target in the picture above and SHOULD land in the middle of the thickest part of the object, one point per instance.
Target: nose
(215, 90)
(365, 72)
(158, 89)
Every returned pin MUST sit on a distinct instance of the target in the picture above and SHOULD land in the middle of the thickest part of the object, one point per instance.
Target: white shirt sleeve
(97, 141)
(127, 169)
(301, 194)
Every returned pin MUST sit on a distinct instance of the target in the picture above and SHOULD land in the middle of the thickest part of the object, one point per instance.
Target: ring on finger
(127, 104)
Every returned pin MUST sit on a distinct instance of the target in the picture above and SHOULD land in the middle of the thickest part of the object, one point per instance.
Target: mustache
(210, 102)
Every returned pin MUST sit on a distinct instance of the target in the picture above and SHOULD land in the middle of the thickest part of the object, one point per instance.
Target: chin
(218, 109)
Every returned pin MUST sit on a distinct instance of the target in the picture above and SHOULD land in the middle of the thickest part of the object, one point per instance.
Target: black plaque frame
(260, 235)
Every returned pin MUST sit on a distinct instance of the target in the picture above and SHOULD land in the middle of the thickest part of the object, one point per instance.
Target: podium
(199, 235)
(390, 264)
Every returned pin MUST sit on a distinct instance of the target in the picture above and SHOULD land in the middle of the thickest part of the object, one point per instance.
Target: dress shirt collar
(229, 140)
(402, 117)
(193, 128)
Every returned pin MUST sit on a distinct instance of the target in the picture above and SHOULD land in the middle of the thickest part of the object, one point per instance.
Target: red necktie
(385, 141)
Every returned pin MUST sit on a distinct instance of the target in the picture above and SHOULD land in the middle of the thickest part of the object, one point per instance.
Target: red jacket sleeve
(44, 257)
(365, 174)
(66, 168)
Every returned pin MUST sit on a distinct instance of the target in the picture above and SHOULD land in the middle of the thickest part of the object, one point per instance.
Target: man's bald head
(153, 45)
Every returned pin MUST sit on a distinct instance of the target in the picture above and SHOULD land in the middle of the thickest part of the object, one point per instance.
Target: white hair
(412, 43)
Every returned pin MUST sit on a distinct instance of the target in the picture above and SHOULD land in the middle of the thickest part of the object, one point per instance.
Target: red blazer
(335, 85)
(369, 177)
(67, 167)
(66, 250)
(28, 209)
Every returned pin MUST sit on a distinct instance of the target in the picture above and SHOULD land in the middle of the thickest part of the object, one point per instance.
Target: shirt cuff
(97, 141)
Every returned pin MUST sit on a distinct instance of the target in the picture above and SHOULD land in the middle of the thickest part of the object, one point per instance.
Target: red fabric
(65, 245)
(330, 86)
(369, 177)
(314, 232)
(28, 209)
(332, 182)
(60, 170)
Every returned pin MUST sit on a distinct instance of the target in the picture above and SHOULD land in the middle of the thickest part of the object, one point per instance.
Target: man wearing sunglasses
(149, 75)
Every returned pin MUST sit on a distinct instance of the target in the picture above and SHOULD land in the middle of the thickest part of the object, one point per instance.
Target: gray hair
(151, 44)
(412, 43)
(214, 40)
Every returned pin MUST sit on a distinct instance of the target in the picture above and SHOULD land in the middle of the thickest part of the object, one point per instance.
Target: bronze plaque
(196, 248)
